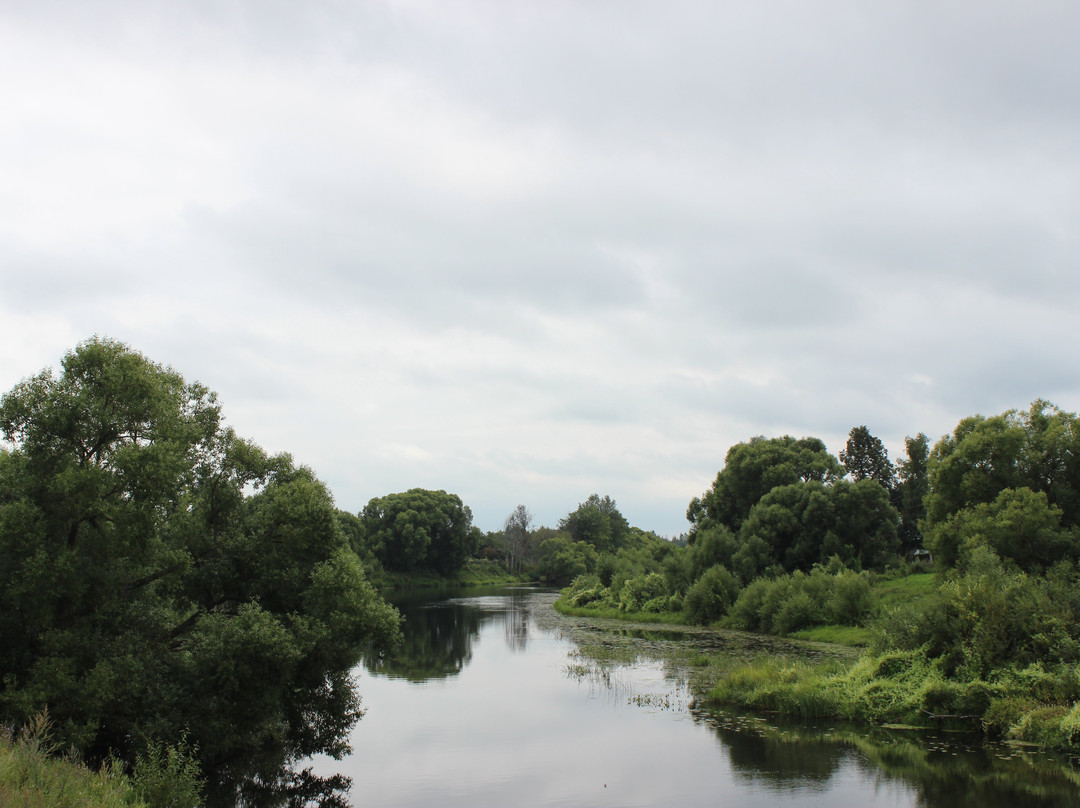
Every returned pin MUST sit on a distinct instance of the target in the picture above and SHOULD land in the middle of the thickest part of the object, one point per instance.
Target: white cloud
(527, 252)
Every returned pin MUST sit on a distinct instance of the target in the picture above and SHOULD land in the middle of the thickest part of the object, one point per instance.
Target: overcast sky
(529, 250)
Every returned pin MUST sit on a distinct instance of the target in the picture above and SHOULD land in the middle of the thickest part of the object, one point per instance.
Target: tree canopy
(753, 469)
(865, 457)
(419, 530)
(1038, 449)
(912, 486)
(798, 525)
(597, 521)
(159, 574)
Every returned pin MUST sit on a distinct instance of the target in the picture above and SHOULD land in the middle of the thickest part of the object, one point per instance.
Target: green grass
(33, 775)
(900, 591)
(888, 594)
(614, 613)
(853, 636)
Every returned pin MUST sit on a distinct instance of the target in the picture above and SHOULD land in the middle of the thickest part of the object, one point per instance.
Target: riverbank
(806, 679)
(474, 572)
(33, 776)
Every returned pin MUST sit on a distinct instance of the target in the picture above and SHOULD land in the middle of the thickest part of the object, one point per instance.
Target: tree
(516, 537)
(753, 469)
(913, 484)
(158, 574)
(562, 559)
(1019, 525)
(974, 464)
(1038, 449)
(598, 522)
(865, 457)
(796, 526)
(419, 530)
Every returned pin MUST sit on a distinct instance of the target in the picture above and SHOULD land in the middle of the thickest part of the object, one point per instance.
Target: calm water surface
(490, 703)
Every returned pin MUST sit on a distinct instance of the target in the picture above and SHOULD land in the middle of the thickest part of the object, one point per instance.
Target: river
(491, 701)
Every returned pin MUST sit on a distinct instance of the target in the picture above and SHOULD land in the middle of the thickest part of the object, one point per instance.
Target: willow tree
(160, 575)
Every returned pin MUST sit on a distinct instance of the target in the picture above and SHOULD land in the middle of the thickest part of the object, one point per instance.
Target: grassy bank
(884, 594)
(614, 613)
(475, 572)
(1034, 705)
(934, 655)
(34, 775)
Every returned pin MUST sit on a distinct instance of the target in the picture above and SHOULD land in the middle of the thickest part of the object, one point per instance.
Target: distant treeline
(169, 589)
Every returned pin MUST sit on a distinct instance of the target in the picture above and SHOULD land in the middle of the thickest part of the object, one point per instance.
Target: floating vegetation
(767, 746)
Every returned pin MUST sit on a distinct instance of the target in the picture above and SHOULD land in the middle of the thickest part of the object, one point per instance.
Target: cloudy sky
(529, 250)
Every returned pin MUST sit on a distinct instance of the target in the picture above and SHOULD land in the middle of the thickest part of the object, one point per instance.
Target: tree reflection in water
(767, 753)
(438, 638)
(755, 757)
(941, 771)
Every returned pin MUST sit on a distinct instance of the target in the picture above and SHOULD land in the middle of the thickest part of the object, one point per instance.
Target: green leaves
(160, 574)
(753, 469)
(864, 456)
(1038, 451)
(419, 529)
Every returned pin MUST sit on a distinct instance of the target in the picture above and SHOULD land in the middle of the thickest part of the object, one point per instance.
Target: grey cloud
(530, 251)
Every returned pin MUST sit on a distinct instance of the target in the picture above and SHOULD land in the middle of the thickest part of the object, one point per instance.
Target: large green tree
(753, 469)
(865, 457)
(597, 521)
(1038, 449)
(796, 526)
(160, 575)
(420, 530)
(1019, 525)
(912, 486)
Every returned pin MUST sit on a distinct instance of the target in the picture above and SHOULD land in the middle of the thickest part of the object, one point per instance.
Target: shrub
(168, 776)
(642, 590)
(796, 611)
(849, 602)
(798, 600)
(710, 597)
(986, 618)
(745, 612)
(586, 589)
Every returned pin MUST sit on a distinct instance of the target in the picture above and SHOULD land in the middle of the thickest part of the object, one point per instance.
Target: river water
(490, 701)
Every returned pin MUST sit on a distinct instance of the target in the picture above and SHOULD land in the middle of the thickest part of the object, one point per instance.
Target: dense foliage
(160, 575)
(753, 469)
(597, 522)
(1038, 449)
(162, 578)
(419, 530)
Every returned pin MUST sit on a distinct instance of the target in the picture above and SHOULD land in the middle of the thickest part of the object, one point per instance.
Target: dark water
(489, 702)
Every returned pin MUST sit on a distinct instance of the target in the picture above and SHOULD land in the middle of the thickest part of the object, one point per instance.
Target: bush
(643, 590)
(168, 776)
(746, 612)
(585, 590)
(710, 597)
(986, 618)
(792, 602)
(796, 611)
(849, 602)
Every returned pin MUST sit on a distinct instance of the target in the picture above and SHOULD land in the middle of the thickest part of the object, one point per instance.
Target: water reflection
(939, 771)
(438, 637)
(494, 699)
(266, 776)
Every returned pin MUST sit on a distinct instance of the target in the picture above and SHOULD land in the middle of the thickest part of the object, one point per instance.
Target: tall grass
(1033, 706)
(34, 774)
(31, 776)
